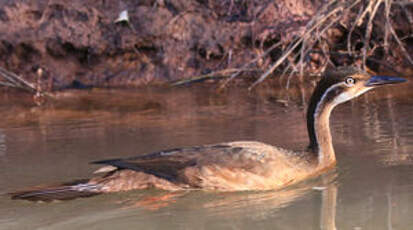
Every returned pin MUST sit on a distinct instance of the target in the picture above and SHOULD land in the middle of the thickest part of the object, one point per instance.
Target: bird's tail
(67, 191)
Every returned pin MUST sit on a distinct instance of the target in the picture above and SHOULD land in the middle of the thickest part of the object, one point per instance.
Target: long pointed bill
(383, 80)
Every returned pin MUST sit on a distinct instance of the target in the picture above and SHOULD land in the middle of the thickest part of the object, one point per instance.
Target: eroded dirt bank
(164, 40)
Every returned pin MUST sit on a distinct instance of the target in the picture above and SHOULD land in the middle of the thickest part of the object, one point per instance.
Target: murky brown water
(372, 187)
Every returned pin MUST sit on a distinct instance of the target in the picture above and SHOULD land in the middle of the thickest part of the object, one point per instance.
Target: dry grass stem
(318, 21)
(400, 44)
(213, 75)
(15, 81)
(316, 30)
(372, 11)
(245, 66)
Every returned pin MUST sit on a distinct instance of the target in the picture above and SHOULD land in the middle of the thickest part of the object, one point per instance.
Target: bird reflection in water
(259, 205)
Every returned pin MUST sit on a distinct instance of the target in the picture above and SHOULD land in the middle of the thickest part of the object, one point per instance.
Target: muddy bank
(166, 40)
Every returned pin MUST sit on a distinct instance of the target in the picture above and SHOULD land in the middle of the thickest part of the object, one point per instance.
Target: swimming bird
(231, 166)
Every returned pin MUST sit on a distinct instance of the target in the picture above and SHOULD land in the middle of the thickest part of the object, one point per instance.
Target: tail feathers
(62, 192)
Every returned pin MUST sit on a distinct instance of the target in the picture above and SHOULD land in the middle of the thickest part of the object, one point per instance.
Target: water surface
(371, 188)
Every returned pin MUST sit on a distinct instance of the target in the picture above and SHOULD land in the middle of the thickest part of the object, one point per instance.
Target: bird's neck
(318, 124)
(324, 144)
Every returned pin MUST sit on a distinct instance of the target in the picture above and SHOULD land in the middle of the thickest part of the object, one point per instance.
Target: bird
(230, 166)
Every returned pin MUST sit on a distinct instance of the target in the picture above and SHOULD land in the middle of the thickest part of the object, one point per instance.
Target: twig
(17, 81)
(295, 54)
(404, 3)
(388, 4)
(388, 66)
(302, 55)
(250, 62)
(212, 75)
(369, 29)
(295, 45)
(400, 43)
(407, 12)
(7, 84)
(351, 31)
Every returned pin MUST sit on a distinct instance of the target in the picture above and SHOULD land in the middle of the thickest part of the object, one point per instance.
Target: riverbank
(129, 43)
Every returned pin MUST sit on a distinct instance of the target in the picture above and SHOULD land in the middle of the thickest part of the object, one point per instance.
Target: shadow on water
(370, 189)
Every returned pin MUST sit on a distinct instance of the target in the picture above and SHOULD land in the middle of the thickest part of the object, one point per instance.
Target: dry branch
(326, 19)
(15, 81)
(319, 20)
(213, 75)
(245, 66)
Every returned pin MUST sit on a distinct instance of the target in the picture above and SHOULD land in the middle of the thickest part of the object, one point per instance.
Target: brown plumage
(233, 166)
(227, 167)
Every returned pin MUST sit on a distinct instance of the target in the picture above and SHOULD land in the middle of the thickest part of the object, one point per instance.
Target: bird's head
(346, 83)
(338, 86)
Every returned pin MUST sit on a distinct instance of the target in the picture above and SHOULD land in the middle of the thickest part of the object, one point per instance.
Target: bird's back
(232, 166)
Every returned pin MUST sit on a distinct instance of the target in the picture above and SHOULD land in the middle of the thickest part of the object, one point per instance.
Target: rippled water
(371, 188)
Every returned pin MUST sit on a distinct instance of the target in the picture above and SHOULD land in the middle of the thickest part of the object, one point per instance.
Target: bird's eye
(350, 81)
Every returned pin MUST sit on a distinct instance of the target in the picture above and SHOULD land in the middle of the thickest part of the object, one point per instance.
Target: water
(371, 188)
